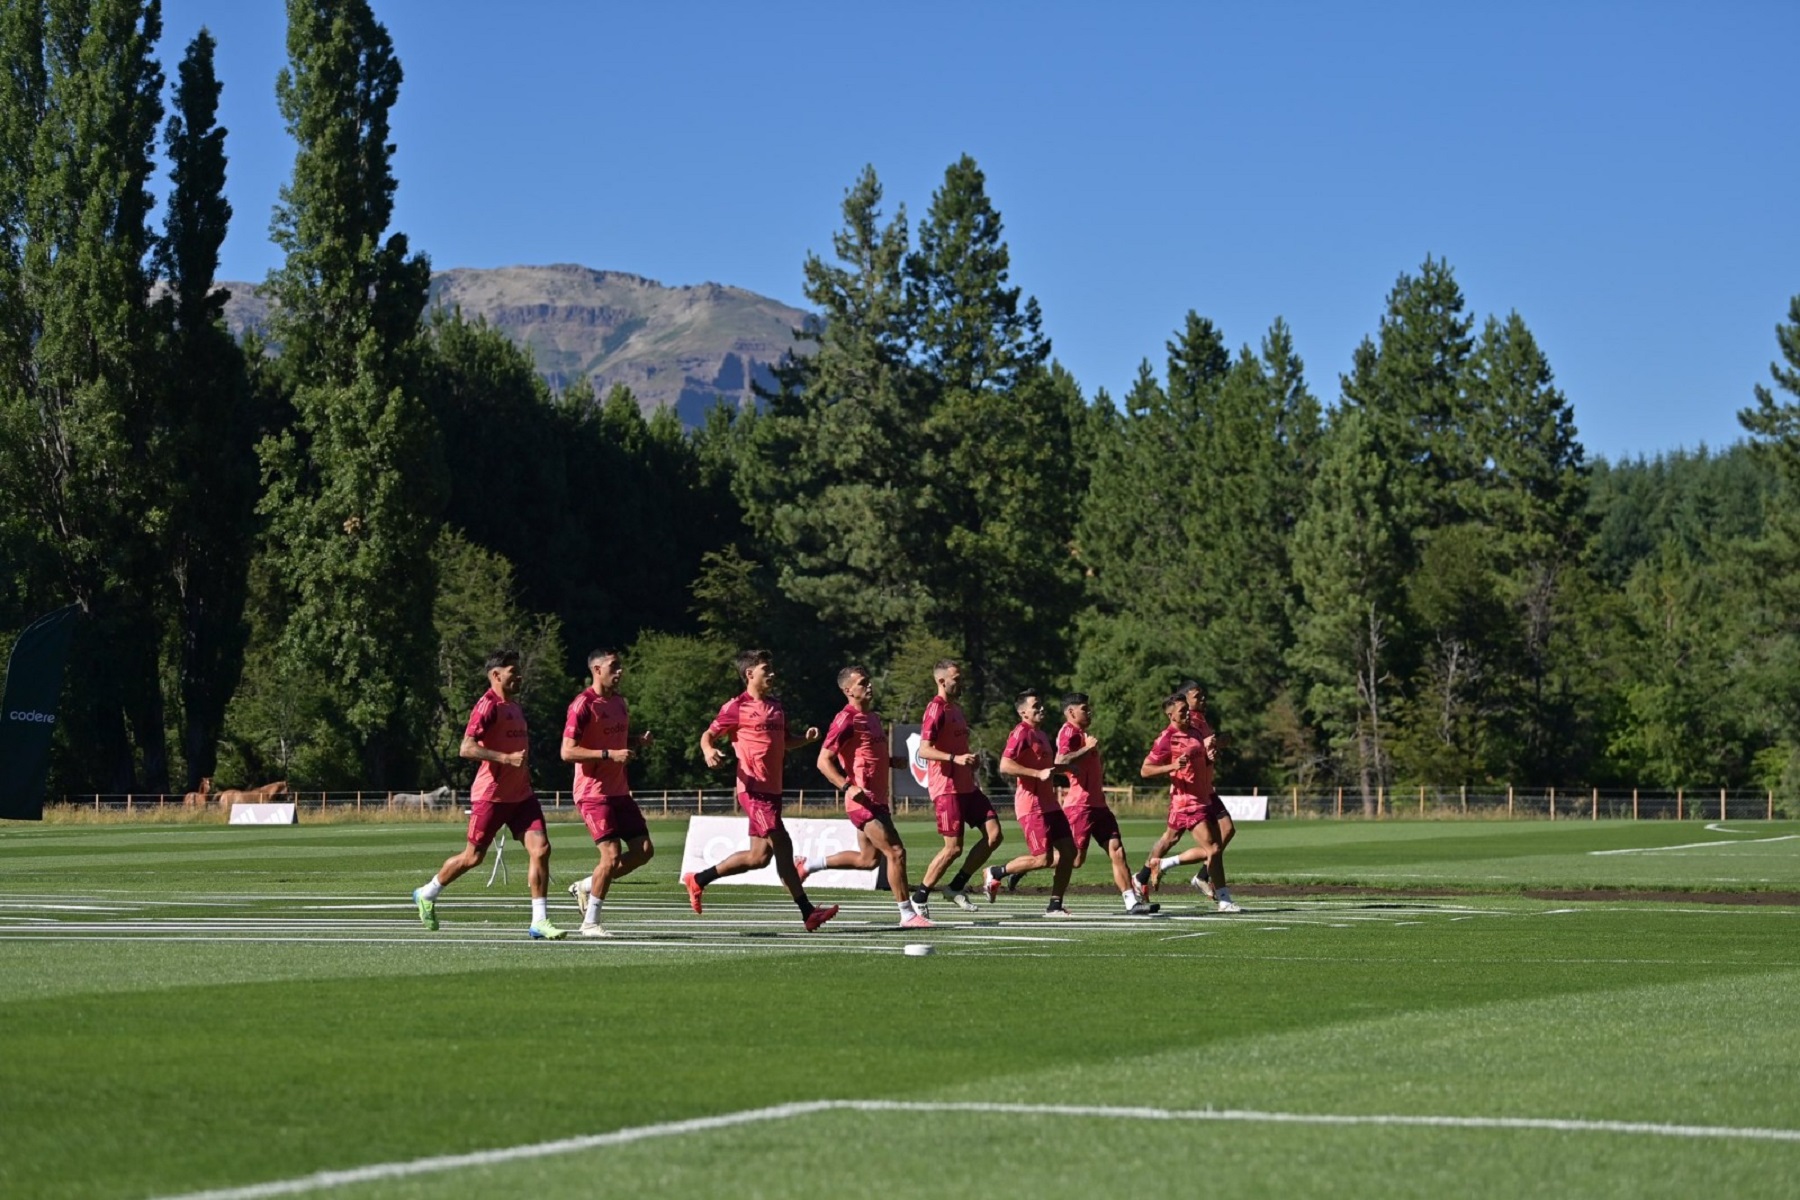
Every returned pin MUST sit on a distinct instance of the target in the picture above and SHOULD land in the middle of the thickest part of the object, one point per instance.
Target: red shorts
(956, 809)
(764, 811)
(1043, 827)
(613, 817)
(862, 814)
(488, 817)
(1188, 814)
(1091, 821)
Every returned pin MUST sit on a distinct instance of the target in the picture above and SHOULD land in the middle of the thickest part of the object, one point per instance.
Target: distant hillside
(680, 346)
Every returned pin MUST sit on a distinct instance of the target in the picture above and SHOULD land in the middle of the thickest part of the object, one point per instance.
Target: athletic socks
(815, 862)
(431, 889)
(705, 878)
(960, 883)
(540, 909)
(1143, 877)
(593, 910)
(907, 910)
(1130, 897)
(1171, 862)
(921, 895)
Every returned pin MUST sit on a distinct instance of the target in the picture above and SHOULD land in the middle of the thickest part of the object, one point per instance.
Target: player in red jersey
(955, 798)
(855, 758)
(1196, 707)
(1186, 758)
(757, 726)
(597, 739)
(1085, 802)
(1030, 761)
(501, 798)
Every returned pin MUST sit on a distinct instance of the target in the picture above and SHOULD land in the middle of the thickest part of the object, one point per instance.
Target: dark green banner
(34, 678)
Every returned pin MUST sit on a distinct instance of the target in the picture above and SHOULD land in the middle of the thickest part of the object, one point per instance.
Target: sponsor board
(710, 840)
(1246, 808)
(263, 814)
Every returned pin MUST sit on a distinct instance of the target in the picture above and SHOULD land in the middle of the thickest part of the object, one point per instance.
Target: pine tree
(1344, 552)
(1775, 428)
(1532, 505)
(835, 490)
(997, 442)
(355, 485)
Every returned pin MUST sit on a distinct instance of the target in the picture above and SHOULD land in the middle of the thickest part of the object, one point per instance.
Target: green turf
(206, 1007)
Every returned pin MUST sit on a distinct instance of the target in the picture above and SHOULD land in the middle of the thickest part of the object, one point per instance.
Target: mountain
(681, 346)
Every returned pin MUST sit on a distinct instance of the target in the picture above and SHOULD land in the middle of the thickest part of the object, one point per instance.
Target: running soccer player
(1085, 802)
(1187, 761)
(855, 758)
(501, 798)
(1029, 760)
(955, 798)
(1196, 708)
(757, 726)
(597, 740)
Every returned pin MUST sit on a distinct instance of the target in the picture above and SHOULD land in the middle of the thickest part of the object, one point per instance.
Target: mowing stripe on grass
(619, 1137)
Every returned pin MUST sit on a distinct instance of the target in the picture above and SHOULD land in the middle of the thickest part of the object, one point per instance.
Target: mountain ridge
(686, 346)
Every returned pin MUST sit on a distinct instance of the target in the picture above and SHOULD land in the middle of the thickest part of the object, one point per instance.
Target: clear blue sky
(1625, 176)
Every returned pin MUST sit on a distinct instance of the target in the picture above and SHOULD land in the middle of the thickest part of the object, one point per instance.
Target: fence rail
(1517, 803)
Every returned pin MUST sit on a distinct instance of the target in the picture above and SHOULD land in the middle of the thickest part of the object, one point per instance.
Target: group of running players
(854, 756)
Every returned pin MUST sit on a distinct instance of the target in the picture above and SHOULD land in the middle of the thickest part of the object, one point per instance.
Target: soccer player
(501, 798)
(597, 740)
(855, 758)
(1085, 802)
(1186, 759)
(757, 726)
(957, 801)
(1196, 708)
(1029, 760)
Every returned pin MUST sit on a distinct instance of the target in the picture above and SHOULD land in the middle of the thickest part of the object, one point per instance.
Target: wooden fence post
(1553, 804)
(1421, 800)
(1595, 815)
(1679, 816)
(1721, 804)
(1509, 800)
(1340, 803)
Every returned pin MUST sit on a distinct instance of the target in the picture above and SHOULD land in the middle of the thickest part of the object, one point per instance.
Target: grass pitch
(235, 1010)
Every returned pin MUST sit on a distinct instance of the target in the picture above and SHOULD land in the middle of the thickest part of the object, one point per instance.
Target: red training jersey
(860, 746)
(1191, 784)
(945, 728)
(759, 732)
(1084, 773)
(499, 725)
(597, 722)
(1029, 746)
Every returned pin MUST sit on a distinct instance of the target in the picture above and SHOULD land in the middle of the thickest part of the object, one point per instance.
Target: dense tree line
(294, 553)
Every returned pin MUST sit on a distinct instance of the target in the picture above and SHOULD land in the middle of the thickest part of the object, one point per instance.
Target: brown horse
(198, 799)
(261, 795)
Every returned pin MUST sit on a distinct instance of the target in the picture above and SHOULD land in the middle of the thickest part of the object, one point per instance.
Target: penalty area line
(324, 1180)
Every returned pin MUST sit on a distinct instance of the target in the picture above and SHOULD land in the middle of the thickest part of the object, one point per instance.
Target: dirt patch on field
(1771, 899)
(1259, 890)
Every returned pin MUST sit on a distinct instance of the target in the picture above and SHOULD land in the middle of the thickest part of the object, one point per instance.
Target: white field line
(1786, 837)
(324, 1180)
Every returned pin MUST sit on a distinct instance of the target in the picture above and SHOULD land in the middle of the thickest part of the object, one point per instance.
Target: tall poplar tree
(355, 485)
(80, 99)
(209, 424)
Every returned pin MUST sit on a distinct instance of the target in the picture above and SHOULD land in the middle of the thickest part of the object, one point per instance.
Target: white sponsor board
(1247, 808)
(263, 814)
(710, 840)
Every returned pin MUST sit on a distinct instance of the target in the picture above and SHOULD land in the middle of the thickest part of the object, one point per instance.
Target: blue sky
(1623, 175)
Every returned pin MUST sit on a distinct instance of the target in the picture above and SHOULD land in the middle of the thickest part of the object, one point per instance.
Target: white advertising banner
(1247, 808)
(710, 840)
(263, 814)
